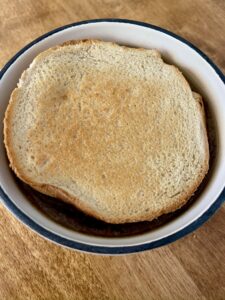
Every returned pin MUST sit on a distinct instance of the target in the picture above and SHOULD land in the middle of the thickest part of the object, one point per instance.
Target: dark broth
(70, 217)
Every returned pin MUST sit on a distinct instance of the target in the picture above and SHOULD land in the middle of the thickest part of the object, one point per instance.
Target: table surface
(191, 268)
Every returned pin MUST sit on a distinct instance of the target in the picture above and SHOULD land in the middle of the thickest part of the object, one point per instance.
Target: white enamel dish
(207, 78)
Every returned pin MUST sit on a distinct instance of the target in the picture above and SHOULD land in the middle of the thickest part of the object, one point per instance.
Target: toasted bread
(113, 130)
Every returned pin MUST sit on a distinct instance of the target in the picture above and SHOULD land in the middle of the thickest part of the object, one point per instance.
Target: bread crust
(65, 196)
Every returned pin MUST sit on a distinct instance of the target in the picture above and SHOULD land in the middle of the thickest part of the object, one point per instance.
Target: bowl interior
(201, 75)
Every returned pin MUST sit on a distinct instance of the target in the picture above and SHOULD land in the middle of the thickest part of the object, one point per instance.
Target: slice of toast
(113, 130)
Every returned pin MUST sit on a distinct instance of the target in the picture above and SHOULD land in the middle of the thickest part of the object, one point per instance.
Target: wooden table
(191, 268)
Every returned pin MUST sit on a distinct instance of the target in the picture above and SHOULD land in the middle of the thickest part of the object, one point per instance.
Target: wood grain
(191, 268)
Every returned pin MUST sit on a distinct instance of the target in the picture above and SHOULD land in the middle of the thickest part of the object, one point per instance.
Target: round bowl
(196, 66)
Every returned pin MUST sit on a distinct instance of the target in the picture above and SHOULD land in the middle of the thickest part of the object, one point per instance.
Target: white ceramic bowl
(206, 77)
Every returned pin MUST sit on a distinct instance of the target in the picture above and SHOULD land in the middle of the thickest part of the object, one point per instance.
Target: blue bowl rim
(119, 249)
